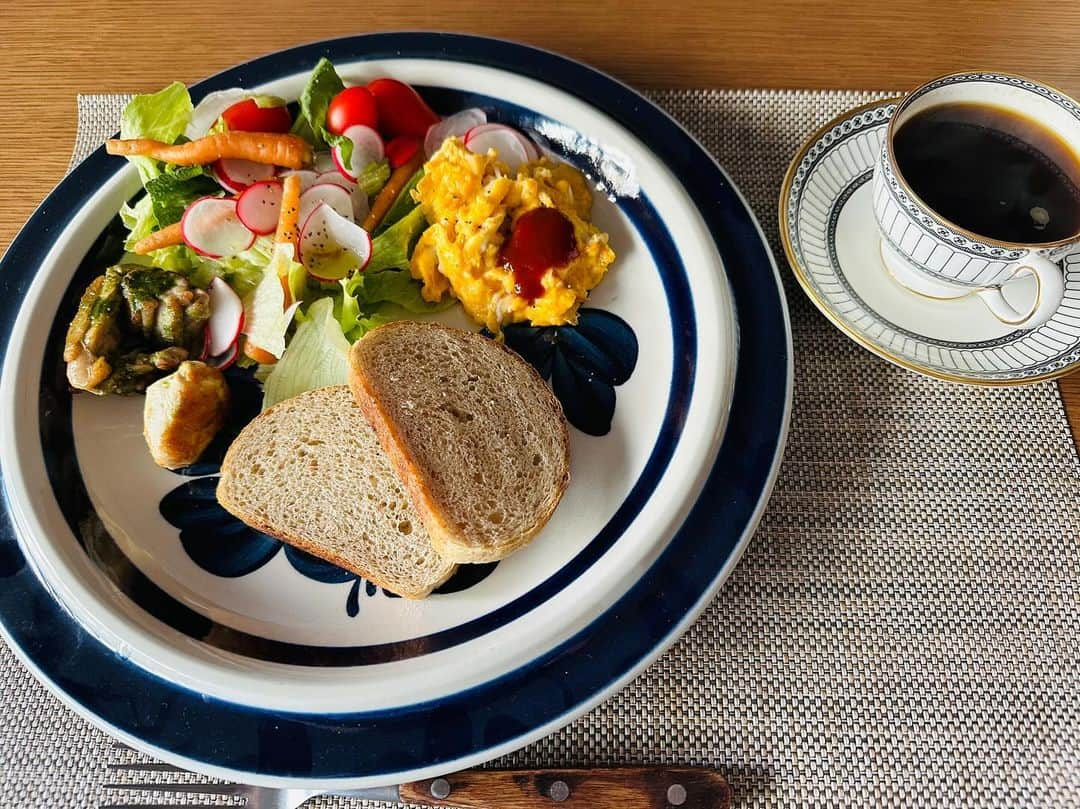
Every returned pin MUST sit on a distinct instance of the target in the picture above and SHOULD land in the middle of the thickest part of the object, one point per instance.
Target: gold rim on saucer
(802, 275)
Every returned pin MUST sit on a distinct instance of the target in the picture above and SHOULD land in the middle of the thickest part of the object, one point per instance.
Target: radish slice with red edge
(367, 148)
(333, 246)
(337, 178)
(307, 177)
(226, 358)
(208, 110)
(211, 228)
(455, 125)
(507, 144)
(260, 205)
(359, 198)
(206, 343)
(236, 175)
(336, 196)
(226, 316)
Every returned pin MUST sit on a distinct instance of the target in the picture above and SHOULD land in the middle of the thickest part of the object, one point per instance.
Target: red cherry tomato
(247, 116)
(401, 110)
(352, 106)
(401, 149)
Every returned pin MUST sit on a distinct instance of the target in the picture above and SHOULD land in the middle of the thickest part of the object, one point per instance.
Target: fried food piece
(134, 370)
(183, 412)
(275, 149)
(164, 307)
(94, 332)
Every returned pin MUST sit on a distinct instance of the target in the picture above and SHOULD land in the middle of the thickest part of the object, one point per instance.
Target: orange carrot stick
(260, 147)
(398, 180)
(289, 213)
(254, 352)
(166, 237)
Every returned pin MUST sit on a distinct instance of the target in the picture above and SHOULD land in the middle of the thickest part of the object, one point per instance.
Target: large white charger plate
(129, 592)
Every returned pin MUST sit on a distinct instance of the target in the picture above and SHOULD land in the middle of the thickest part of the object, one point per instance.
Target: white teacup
(935, 257)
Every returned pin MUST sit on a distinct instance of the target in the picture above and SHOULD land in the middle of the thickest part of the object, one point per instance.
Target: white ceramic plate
(149, 609)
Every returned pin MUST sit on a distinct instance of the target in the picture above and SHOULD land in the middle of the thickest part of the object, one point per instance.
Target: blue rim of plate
(511, 710)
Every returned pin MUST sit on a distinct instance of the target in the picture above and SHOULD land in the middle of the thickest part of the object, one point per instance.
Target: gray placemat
(904, 628)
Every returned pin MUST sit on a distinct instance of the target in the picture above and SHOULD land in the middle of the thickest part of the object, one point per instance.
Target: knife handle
(602, 788)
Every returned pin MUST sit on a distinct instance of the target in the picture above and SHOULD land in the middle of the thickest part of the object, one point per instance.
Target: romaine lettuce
(318, 355)
(323, 84)
(392, 248)
(403, 205)
(163, 116)
(175, 188)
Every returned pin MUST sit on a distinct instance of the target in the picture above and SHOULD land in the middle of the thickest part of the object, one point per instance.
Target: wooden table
(50, 50)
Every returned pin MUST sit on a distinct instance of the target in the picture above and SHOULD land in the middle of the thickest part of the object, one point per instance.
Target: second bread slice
(310, 472)
(475, 434)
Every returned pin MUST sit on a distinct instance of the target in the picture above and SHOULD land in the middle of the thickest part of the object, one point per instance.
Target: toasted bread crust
(228, 483)
(445, 537)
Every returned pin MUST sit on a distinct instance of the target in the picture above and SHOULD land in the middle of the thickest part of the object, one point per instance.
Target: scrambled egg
(472, 201)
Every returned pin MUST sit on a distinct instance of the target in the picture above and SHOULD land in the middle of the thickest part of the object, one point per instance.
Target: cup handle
(1049, 292)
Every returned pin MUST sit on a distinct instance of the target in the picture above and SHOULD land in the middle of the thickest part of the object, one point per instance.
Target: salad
(273, 235)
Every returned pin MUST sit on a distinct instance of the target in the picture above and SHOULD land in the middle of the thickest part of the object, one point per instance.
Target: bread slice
(475, 434)
(310, 472)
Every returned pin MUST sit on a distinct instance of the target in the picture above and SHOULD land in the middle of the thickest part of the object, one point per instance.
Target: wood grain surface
(50, 50)
(607, 788)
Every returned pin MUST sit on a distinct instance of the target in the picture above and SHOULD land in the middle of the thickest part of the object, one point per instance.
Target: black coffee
(991, 171)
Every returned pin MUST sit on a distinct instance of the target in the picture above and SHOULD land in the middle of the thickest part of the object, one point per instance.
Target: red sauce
(541, 239)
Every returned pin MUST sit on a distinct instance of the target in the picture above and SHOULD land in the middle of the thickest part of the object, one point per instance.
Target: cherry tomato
(352, 106)
(247, 116)
(401, 110)
(400, 150)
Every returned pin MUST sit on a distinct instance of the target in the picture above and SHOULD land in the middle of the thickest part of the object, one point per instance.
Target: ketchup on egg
(540, 239)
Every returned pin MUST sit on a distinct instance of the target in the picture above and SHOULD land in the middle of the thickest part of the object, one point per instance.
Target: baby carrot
(260, 147)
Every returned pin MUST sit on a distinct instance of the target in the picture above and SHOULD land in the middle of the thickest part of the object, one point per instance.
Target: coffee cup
(978, 185)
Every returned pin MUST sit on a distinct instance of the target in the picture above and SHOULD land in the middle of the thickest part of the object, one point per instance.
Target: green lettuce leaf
(317, 356)
(173, 190)
(373, 177)
(265, 318)
(403, 205)
(392, 248)
(323, 84)
(160, 116)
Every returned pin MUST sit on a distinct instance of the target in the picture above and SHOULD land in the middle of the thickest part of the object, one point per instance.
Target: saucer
(831, 239)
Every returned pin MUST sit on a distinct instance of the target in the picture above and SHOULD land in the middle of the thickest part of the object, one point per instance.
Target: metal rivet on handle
(676, 794)
(559, 791)
(440, 788)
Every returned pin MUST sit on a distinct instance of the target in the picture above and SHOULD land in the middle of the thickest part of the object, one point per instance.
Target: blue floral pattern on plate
(223, 545)
(584, 362)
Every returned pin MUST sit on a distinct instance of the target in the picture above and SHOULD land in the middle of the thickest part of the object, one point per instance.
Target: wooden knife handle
(603, 788)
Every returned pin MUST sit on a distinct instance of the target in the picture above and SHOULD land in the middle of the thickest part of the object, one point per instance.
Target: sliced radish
(511, 146)
(206, 343)
(333, 246)
(336, 196)
(367, 148)
(226, 317)
(211, 228)
(307, 177)
(210, 108)
(226, 358)
(236, 175)
(337, 178)
(259, 206)
(359, 198)
(455, 125)
(323, 161)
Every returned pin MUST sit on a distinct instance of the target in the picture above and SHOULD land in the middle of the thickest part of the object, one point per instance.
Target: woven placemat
(904, 628)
